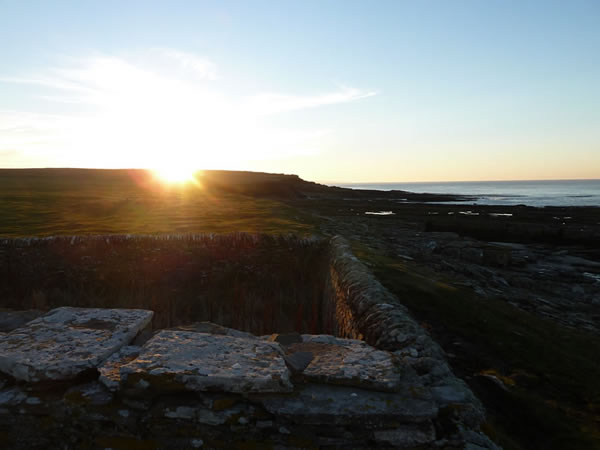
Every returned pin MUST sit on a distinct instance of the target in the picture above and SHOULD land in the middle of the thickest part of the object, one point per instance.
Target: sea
(532, 193)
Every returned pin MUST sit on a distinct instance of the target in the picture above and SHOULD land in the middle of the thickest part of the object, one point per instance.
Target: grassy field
(551, 373)
(58, 202)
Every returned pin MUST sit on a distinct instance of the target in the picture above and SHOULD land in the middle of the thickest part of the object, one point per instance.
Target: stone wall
(379, 382)
(367, 311)
(256, 283)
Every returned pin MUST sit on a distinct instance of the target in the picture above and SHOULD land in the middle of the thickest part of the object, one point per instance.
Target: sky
(334, 91)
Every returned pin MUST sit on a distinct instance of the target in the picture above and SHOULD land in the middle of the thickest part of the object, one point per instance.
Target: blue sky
(333, 91)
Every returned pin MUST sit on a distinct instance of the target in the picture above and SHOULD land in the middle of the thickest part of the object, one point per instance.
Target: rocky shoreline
(511, 293)
(543, 260)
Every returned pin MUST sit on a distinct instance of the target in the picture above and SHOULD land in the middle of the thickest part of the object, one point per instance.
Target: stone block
(186, 360)
(67, 341)
(350, 362)
(318, 404)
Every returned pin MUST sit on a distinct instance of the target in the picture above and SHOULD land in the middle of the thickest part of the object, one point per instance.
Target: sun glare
(175, 174)
(141, 113)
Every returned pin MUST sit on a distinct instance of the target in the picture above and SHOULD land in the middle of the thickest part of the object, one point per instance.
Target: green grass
(98, 202)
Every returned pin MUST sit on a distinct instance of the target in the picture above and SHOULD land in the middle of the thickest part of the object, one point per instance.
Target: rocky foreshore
(510, 292)
(543, 260)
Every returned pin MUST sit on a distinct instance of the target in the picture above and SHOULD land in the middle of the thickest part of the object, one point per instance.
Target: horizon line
(457, 181)
(327, 182)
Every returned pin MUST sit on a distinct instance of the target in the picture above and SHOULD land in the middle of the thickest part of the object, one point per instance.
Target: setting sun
(175, 174)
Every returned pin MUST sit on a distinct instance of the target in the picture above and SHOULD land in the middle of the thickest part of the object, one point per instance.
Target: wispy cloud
(167, 105)
(52, 82)
(272, 103)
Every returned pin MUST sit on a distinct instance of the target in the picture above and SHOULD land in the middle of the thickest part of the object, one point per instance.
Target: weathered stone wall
(382, 382)
(368, 311)
(256, 283)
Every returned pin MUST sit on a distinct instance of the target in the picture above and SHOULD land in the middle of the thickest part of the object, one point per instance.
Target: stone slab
(187, 360)
(67, 341)
(110, 370)
(325, 404)
(350, 362)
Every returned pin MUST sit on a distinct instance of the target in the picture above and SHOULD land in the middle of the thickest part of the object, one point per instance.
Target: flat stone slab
(350, 362)
(325, 404)
(189, 360)
(67, 341)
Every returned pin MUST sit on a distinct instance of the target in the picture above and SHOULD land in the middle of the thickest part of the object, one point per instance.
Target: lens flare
(175, 174)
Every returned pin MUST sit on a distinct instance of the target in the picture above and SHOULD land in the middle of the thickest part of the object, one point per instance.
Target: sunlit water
(532, 193)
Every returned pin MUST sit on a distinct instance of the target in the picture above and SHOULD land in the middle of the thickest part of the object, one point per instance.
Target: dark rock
(10, 320)
(496, 256)
(91, 393)
(472, 254)
(327, 404)
(298, 361)
(142, 337)
(407, 436)
(456, 393)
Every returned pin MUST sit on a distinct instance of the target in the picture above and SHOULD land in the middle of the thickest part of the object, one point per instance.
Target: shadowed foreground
(385, 383)
(536, 377)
